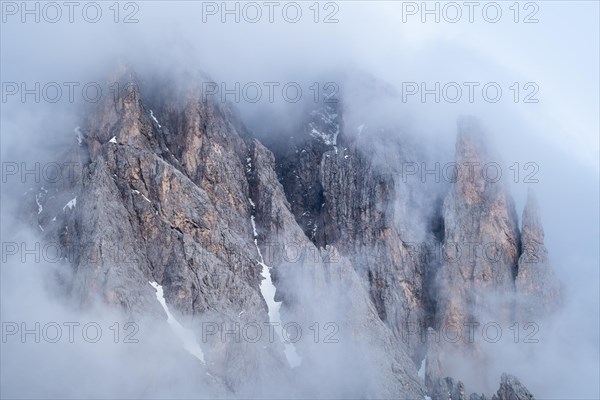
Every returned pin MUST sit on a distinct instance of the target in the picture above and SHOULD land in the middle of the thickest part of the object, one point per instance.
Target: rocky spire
(511, 389)
(531, 226)
(481, 238)
(538, 291)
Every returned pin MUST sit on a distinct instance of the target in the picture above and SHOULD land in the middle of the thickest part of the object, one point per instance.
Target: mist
(373, 55)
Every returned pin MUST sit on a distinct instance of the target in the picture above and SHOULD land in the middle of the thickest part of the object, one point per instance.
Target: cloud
(559, 133)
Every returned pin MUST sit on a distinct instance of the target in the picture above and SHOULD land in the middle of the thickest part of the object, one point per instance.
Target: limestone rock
(538, 290)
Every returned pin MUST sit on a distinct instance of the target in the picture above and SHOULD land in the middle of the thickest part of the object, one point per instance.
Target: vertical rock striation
(481, 238)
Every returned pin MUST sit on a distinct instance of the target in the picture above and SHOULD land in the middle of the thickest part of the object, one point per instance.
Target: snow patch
(71, 204)
(267, 289)
(78, 134)
(185, 335)
(154, 118)
(138, 192)
(335, 135)
(113, 140)
(421, 372)
(37, 201)
(255, 234)
(329, 118)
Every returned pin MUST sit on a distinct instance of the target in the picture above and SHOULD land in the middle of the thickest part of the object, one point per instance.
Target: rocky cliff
(539, 291)
(174, 194)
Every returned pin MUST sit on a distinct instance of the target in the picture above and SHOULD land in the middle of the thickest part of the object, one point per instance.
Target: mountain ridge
(198, 201)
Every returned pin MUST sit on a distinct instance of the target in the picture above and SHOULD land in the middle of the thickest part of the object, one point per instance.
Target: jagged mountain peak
(531, 225)
(210, 214)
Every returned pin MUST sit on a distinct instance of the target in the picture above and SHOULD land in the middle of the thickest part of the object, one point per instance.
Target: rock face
(299, 167)
(481, 238)
(169, 203)
(360, 205)
(538, 290)
(511, 389)
(173, 189)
